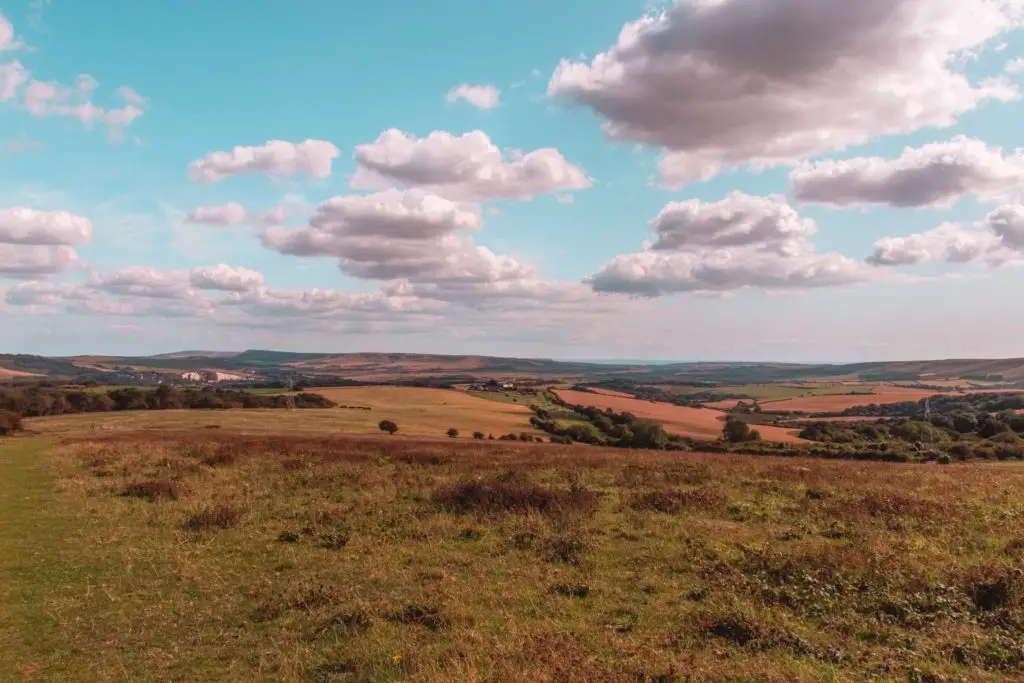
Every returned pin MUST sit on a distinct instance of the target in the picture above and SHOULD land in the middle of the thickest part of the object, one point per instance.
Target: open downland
(696, 423)
(417, 412)
(277, 558)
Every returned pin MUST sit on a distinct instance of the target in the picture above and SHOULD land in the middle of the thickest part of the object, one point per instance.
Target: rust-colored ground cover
(696, 423)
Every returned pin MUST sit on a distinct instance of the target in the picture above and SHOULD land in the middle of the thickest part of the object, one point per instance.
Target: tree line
(41, 401)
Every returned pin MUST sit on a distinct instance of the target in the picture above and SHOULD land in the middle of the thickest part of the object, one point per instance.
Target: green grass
(569, 563)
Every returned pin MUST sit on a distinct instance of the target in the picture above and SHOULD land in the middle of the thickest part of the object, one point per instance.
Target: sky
(786, 180)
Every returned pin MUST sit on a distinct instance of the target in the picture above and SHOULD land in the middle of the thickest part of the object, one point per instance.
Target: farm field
(696, 423)
(416, 411)
(836, 403)
(768, 392)
(217, 556)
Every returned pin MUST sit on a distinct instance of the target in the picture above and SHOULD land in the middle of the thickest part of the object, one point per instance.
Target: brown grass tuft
(673, 502)
(213, 517)
(153, 490)
(512, 496)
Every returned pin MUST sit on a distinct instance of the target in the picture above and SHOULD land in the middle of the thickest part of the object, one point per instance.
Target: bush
(738, 431)
(388, 426)
(9, 422)
(453, 433)
(478, 436)
(944, 459)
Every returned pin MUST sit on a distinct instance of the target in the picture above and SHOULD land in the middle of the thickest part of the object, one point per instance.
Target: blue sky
(564, 270)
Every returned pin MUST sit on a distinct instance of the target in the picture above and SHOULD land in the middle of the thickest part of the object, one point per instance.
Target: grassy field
(148, 556)
(417, 412)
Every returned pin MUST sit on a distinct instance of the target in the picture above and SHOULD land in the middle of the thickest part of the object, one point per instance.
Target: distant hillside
(271, 365)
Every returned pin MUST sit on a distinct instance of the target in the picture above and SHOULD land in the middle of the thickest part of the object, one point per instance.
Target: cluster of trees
(39, 401)
(647, 392)
(607, 428)
(963, 432)
(941, 405)
(738, 431)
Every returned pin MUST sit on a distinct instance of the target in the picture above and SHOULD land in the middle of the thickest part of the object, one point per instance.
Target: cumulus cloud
(480, 96)
(740, 241)
(394, 234)
(22, 225)
(998, 240)
(467, 167)
(139, 281)
(225, 278)
(35, 261)
(313, 158)
(936, 174)
(758, 83)
(1015, 66)
(737, 220)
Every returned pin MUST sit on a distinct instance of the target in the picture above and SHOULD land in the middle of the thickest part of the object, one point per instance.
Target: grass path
(31, 535)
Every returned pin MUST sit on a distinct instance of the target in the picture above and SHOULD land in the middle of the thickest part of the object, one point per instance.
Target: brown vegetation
(382, 558)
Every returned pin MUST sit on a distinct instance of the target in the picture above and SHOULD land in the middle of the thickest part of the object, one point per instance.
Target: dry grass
(418, 412)
(385, 558)
(697, 423)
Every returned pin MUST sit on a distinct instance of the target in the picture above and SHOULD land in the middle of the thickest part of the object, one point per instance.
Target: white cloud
(998, 240)
(738, 242)
(22, 225)
(937, 174)
(8, 39)
(36, 293)
(275, 157)
(13, 75)
(737, 220)
(139, 281)
(231, 213)
(727, 83)
(53, 99)
(35, 261)
(656, 274)
(480, 96)
(131, 97)
(397, 234)
(1015, 66)
(225, 278)
(467, 167)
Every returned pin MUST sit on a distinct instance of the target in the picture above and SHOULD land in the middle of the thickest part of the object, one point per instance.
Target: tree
(453, 433)
(388, 426)
(736, 431)
(478, 436)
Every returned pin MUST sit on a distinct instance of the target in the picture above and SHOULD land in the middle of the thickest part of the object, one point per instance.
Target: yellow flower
(396, 658)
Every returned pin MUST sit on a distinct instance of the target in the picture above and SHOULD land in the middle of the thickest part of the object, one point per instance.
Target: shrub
(388, 426)
(153, 490)
(214, 517)
(9, 422)
(453, 433)
(944, 459)
(511, 496)
(738, 431)
(478, 436)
